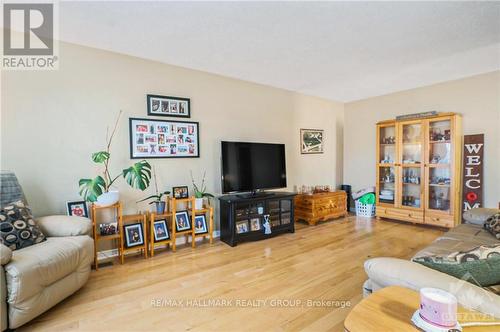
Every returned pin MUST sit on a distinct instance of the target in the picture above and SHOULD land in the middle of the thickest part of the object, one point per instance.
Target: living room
(231, 166)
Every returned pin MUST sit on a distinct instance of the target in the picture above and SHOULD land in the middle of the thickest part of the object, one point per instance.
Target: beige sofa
(36, 278)
(384, 271)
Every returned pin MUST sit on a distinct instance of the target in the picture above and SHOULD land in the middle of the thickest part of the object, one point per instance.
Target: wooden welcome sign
(473, 172)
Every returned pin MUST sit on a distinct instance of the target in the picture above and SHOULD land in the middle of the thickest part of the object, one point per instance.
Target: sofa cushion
(33, 268)
(493, 225)
(480, 265)
(17, 227)
(10, 189)
(461, 238)
(478, 216)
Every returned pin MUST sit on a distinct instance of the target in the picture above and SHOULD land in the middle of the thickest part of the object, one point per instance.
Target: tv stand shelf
(242, 217)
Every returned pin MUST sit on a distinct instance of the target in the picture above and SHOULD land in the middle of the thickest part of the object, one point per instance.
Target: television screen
(252, 166)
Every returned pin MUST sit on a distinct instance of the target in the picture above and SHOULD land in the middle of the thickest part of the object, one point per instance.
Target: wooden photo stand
(114, 237)
(171, 207)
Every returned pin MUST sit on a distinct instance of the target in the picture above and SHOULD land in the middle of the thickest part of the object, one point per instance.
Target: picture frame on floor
(200, 224)
(77, 208)
(182, 222)
(134, 235)
(311, 141)
(168, 106)
(160, 230)
(163, 139)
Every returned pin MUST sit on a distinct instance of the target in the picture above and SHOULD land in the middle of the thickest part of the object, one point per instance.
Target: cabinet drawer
(439, 220)
(400, 214)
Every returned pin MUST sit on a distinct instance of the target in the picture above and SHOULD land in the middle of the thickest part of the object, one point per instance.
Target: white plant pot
(109, 198)
(198, 204)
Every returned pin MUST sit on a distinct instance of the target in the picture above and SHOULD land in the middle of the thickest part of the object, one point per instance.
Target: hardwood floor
(323, 262)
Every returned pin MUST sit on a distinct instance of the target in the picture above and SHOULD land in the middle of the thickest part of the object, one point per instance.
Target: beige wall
(53, 121)
(476, 98)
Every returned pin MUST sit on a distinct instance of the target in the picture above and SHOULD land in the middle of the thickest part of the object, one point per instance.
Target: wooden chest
(320, 207)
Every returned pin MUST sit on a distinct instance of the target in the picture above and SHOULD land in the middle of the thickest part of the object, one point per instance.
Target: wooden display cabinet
(418, 170)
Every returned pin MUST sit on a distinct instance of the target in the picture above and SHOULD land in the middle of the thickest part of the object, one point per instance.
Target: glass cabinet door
(386, 184)
(387, 144)
(439, 165)
(386, 170)
(411, 147)
(411, 187)
(411, 162)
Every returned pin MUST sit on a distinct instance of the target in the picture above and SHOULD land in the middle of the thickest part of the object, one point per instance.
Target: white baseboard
(111, 253)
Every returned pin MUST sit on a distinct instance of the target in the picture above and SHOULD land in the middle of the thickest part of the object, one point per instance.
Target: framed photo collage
(154, 138)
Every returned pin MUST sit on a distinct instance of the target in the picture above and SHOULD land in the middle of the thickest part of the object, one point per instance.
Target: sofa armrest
(59, 226)
(386, 272)
(5, 254)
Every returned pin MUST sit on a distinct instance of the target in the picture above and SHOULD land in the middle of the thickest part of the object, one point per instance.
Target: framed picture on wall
(163, 139)
(169, 106)
(311, 141)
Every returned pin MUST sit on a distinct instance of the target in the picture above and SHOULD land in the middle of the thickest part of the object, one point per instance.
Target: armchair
(35, 278)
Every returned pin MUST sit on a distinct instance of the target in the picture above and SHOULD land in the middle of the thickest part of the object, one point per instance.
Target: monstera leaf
(138, 175)
(90, 189)
(100, 157)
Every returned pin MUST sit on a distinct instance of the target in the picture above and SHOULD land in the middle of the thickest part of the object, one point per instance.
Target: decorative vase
(160, 207)
(108, 198)
(198, 205)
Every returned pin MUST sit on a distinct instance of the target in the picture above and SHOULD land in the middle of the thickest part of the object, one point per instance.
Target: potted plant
(98, 190)
(160, 205)
(200, 192)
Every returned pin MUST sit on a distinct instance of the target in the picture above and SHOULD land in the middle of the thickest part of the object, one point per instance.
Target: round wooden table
(391, 309)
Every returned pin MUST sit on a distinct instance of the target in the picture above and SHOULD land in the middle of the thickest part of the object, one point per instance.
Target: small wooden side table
(190, 205)
(169, 221)
(97, 235)
(139, 219)
(391, 309)
(321, 206)
(210, 223)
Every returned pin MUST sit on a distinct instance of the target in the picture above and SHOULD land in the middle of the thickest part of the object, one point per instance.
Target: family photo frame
(163, 139)
(180, 192)
(200, 224)
(182, 221)
(77, 208)
(134, 235)
(168, 106)
(160, 230)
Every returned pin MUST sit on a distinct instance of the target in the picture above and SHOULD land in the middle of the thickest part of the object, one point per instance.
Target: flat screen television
(252, 166)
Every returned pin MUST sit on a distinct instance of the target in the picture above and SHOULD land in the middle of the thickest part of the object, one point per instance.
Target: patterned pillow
(480, 265)
(17, 227)
(492, 224)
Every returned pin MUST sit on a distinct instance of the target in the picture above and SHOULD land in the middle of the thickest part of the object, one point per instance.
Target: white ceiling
(342, 51)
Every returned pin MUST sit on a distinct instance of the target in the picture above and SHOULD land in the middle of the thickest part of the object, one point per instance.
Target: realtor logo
(28, 36)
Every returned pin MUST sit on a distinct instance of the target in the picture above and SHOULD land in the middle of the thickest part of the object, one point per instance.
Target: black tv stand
(256, 194)
(242, 217)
